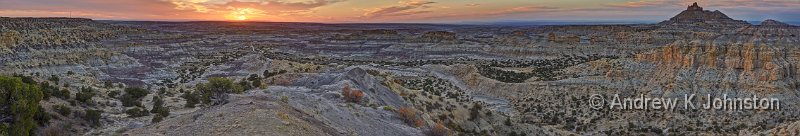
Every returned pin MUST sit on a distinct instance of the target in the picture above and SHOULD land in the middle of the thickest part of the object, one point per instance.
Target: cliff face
(755, 59)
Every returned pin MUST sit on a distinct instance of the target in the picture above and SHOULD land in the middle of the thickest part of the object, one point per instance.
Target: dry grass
(439, 129)
(352, 95)
(54, 130)
(409, 115)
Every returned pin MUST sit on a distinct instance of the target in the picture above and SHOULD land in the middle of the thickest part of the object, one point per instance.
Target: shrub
(63, 94)
(508, 121)
(53, 78)
(133, 96)
(439, 129)
(85, 95)
(47, 90)
(215, 91)
(268, 74)
(253, 77)
(92, 116)
(474, 112)
(352, 95)
(63, 110)
(157, 118)
(53, 130)
(245, 85)
(162, 90)
(108, 84)
(20, 101)
(42, 117)
(135, 92)
(409, 116)
(158, 107)
(26, 79)
(388, 108)
(113, 94)
(136, 112)
(129, 101)
(257, 83)
(285, 99)
(191, 99)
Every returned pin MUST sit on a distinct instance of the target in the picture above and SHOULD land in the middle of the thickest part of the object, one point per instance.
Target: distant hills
(693, 15)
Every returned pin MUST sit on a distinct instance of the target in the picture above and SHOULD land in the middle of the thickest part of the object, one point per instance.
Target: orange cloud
(389, 11)
(643, 3)
(243, 13)
(401, 10)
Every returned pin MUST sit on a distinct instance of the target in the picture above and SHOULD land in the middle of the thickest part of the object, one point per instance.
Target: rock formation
(774, 23)
(695, 15)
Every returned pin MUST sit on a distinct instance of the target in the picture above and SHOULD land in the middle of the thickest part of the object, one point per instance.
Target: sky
(399, 11)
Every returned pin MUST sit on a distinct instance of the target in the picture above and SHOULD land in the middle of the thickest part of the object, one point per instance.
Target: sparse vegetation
(191, 99)
(92, 117)
(85, 95)
(136, 112)
(215, 91)
(49, 90)
(63, 110)
(158, 107)
(475, 111)
(113, 94)
(409, 115)
(53, 78)
(19, 102)
(544, 70)
(439, 129)
(133, 96)
(157, 118)
(352, 95)
(63, 94)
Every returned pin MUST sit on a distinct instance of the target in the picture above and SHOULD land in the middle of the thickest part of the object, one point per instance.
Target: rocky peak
(695, 7)
(770, 22)
(695, 15)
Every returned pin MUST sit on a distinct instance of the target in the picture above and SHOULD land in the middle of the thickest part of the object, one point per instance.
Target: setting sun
(241, 17)
(243, 13)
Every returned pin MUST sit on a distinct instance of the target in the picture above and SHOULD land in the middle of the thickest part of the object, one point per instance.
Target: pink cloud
(401, 10)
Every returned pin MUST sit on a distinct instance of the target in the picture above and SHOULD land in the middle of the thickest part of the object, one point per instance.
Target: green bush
(108, 84)
(157, 118)
(256, 83)
(113, 94)
(85, 95)
(215, 91)
(63, 110)
(158, 107)
(136, 112)
(245, 85)
(26, 79)
(47, 90)
(53, 78)
(93, 117)
(63, 94)
(42, 117)
(191, 99)
(137, 93)
(133, 96)
(22, 101)
(253, 77)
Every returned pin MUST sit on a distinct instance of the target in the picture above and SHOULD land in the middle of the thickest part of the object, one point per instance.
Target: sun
(243, 13)
(241, 17)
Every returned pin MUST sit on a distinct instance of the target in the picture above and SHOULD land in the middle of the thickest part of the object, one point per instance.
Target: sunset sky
(430, 11)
